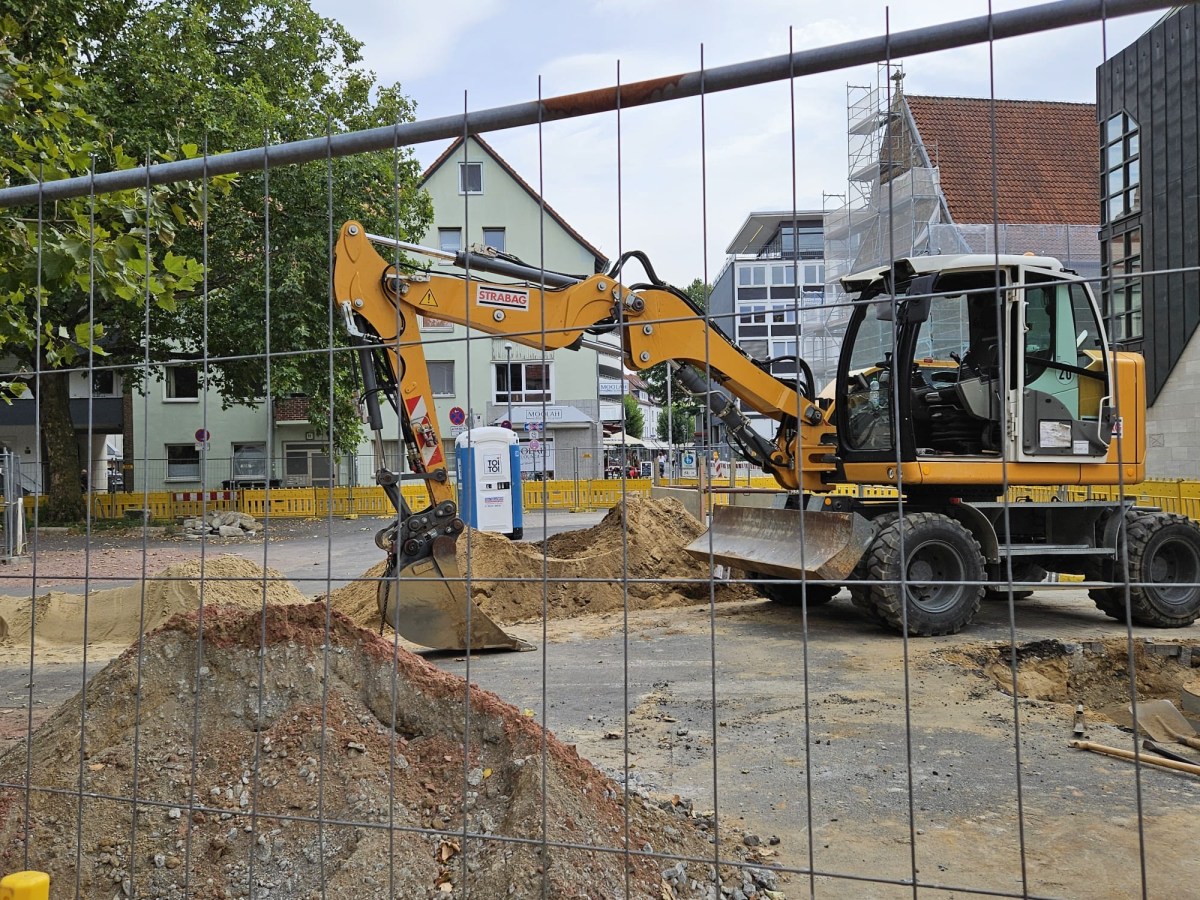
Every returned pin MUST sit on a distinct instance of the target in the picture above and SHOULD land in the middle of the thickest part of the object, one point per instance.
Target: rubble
(221, 524)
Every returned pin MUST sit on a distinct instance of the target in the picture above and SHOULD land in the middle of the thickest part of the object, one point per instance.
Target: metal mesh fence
(881, 708)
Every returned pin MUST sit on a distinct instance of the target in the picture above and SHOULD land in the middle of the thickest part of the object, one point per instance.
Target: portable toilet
(489, 480)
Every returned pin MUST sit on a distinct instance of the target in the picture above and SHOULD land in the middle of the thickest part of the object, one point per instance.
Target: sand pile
(371, 744)
(115, 615)
(640, 539)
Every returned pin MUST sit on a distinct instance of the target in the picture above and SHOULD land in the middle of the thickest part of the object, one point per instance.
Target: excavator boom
(423, 595)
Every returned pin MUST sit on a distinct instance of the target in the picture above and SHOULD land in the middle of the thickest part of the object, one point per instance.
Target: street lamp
(508, 379)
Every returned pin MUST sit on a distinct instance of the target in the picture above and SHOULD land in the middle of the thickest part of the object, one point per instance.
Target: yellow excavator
(958, 377)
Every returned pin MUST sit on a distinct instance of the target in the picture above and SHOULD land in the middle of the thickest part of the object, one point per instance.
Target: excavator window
(868, 393)
(1063, 370)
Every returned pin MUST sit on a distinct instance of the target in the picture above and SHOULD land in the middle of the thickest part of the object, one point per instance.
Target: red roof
(601, 259)
(1048, 169)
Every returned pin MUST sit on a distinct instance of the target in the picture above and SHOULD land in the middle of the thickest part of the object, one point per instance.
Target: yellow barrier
(25, 886)
(1176, 496)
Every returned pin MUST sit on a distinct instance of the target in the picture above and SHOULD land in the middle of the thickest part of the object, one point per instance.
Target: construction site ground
(904, 755)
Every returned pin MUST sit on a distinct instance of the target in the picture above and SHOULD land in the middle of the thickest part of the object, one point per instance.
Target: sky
(677, 180)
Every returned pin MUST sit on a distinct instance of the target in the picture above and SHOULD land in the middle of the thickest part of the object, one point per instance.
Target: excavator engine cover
(429, 605)
(788, 543)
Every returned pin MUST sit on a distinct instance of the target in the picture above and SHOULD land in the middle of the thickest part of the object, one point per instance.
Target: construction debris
(221, 524)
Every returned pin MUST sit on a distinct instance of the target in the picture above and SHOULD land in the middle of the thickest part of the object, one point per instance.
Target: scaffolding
(895, 207)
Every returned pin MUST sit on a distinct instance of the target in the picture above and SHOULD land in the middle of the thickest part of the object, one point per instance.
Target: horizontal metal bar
(961, 33)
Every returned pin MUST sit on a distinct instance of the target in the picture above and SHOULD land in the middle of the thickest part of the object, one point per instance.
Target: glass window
(104, 383)
(470, 178)
(494, 237)
(183, 462)
(182, 383)
(441, 377)
(450, 240)
(1120, 175)
(868, 395)
(249, 462)
(1123, 285)
(527, 382)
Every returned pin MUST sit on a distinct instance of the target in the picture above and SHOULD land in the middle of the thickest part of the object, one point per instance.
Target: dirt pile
(235, 754)
(119, 615)
(1094, 673)
(640, 540)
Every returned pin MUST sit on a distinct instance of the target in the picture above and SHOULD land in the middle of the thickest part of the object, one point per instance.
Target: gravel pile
(283, 751)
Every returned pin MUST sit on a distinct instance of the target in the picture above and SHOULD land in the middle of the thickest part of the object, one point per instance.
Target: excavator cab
(932, 360)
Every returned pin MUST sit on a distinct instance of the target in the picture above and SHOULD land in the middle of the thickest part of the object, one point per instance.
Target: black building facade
(1148, 109)
(1148, 112)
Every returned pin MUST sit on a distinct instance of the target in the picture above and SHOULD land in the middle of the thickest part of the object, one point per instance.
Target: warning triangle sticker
(429, 299)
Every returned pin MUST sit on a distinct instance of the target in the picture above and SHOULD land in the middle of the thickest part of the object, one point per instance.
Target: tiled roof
(601, 259)
(1048, 169)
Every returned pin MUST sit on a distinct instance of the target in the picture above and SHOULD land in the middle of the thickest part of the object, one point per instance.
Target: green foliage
(635, 420)
(682, 423)
(270, 71)
(79, 278)
(86, 265)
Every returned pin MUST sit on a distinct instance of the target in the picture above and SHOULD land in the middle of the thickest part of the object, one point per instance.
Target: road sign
(535, 445)
(457, 415)
(687, 464)
(202, 435)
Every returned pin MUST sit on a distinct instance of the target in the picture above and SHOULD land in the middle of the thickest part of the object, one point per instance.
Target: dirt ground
(843, 760)
(635, 554)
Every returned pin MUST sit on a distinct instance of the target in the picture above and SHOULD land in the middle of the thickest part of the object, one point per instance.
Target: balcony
(787, 249)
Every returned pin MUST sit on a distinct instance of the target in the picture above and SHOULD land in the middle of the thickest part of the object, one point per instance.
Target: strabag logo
(502, 298)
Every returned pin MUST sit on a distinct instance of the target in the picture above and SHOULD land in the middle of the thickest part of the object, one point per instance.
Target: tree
(635, 420)
(270, 71)
(656, 377)
(681, 421)
(75, 278)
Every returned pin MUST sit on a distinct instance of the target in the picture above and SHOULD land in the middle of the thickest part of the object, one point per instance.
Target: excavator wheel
(861, 594)
(792, 593)
(1111, 601)
(1164, 572)
(939, 561)
(1022, 570)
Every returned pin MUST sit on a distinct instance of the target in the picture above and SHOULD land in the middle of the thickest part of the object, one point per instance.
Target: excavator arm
(381, 303)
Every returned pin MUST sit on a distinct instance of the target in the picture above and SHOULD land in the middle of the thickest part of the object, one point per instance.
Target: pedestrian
(662, 465)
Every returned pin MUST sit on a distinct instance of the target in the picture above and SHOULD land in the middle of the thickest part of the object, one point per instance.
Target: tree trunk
(65, 502)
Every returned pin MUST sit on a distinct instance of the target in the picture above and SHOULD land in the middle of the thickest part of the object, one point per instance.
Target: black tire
(861, 593)
(792, 593)
(1164, 570)
(1022, 570)
(939, 556)
(1111, 601)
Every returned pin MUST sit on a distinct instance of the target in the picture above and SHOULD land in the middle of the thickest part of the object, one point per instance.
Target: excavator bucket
(787, 543)
(428, 605)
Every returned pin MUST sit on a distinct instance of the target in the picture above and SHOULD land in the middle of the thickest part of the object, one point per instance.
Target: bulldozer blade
(429, 605)
(769, 541)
